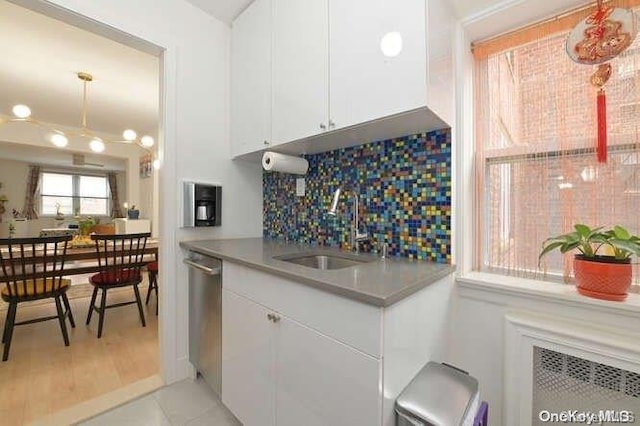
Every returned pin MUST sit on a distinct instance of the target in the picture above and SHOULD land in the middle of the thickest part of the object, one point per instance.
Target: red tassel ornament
(601, 36)
(598, 79)
(601, 150)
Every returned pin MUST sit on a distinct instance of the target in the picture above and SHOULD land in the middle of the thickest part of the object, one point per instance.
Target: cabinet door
(300, 68)
(366, 84)
(248, 360)
(323, 382)
(251, 79)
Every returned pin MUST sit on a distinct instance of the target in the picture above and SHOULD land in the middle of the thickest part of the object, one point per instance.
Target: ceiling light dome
(59, 140)
(147, 141)
(21, 111)
(96, 145)
(129, 135)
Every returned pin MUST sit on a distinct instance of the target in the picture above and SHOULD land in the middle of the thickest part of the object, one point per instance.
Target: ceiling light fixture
(96, 145)
(21, 111)
(61, 139)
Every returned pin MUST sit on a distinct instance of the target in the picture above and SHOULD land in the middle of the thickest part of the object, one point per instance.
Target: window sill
(492, 287)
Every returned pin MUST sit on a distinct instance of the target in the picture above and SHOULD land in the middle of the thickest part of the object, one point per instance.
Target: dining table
(82, 260)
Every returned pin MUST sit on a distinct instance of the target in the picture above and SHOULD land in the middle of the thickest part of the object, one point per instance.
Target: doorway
(127, 352)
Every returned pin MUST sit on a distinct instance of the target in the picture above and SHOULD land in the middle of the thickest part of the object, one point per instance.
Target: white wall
(33, 136)
(479, 326)
(13, 176)
(196, 133)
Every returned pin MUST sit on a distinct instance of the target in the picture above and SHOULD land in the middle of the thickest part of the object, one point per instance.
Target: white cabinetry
(366, 84)
(132, 226)
(277, 371)
(328, 72)
(300, 68)
(251, 79)
(325, 360)
(323, 382)
(248, 360)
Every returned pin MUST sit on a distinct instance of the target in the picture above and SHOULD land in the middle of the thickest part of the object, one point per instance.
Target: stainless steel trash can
(439, 395)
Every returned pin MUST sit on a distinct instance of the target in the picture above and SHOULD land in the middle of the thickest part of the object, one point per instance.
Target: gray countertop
(380, 282)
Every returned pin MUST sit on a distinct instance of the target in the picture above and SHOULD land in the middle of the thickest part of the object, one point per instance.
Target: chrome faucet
(356, 236)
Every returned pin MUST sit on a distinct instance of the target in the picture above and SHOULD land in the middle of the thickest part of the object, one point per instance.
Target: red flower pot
(602, 278)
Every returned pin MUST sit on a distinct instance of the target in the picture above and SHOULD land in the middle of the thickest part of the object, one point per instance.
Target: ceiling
(465, 8)
(38, 66)
(228, 10)
(224, 10)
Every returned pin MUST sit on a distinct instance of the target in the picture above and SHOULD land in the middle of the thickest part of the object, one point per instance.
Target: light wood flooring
(42, 376)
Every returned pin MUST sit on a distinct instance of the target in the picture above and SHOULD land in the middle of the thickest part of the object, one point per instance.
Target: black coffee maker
(202, 204)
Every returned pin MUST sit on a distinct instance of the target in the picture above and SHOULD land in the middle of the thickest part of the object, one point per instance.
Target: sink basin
(321, 261)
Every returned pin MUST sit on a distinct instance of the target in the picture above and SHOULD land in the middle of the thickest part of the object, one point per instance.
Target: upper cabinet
(251, 79)
(336, 64)
(377, 59)
(300, 69)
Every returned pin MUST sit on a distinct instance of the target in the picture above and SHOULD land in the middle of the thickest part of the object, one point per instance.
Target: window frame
(76, 175)
(482, 161)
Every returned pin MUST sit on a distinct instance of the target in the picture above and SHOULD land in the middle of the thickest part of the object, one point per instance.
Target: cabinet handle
(331, 124)
(266, 142)
(322, 126)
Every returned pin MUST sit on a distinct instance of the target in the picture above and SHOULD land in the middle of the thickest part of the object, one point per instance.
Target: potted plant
(603, 276)
(85, 226)
(133, 213)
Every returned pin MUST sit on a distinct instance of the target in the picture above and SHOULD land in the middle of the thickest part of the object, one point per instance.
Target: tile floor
(187, 402)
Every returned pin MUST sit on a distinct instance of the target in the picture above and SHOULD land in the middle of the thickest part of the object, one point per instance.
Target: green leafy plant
(85, 225)
(588, 242)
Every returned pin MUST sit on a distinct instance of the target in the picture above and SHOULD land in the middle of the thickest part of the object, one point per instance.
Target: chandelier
(22, 113)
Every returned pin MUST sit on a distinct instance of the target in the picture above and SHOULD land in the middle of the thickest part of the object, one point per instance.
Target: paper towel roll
(274, 162)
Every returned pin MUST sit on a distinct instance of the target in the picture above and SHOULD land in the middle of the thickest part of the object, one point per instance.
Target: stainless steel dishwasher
(205, 317)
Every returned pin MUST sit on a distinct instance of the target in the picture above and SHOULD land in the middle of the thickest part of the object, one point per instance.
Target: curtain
(537, 173)
(115, 201)
(29, 210)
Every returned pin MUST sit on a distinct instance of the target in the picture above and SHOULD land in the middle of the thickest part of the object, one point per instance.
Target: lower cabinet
(248, 360)
(276, 371)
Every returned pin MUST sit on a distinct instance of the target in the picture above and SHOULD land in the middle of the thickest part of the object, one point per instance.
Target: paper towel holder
(273, 161)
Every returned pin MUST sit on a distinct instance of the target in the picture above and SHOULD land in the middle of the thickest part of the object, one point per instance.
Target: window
(537, 172)
(74, 194)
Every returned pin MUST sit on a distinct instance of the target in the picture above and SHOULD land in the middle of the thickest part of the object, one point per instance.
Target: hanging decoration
(598, 80)
(597, 39)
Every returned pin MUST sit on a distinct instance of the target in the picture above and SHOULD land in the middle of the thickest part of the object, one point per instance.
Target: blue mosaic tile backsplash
(404, 186)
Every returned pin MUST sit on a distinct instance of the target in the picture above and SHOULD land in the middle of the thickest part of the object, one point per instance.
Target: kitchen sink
(322, 261)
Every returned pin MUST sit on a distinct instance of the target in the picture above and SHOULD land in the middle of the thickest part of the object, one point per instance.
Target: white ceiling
(224, 10)
(38, 65)
(484, 19)
(464, 8)
(228, 10)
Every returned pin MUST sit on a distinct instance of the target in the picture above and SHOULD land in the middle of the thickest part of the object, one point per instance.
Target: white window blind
(536, 163)
(74, 194)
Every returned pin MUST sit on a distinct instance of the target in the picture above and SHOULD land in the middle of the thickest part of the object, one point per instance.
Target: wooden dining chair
(152, 269)
(32, 269)
(120, 260)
